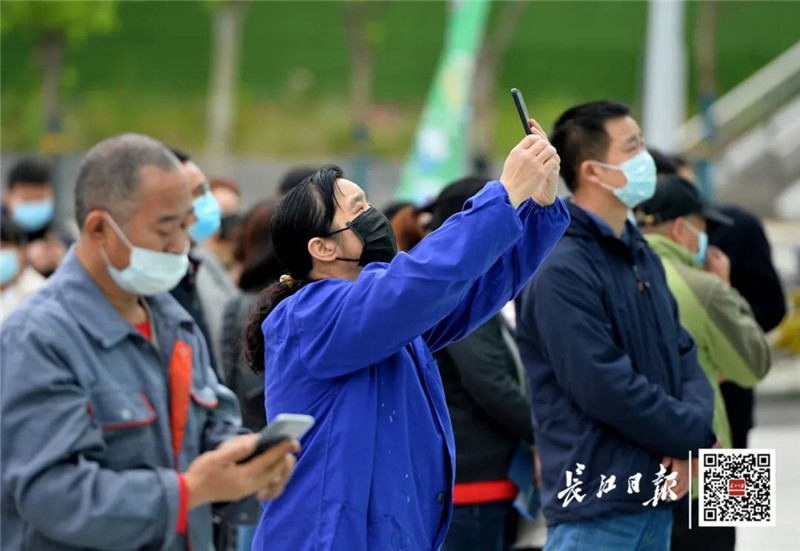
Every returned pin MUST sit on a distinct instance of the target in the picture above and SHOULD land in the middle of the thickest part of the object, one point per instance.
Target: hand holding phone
(526, 119)
(286, 426)
(531, 169)
(522, 109)
(215, 476)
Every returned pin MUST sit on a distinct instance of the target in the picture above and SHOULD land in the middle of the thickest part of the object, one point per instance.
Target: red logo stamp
(736, 487)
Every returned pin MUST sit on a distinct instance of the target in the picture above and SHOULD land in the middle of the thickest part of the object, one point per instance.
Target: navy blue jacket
(376, 471)
(615, 383)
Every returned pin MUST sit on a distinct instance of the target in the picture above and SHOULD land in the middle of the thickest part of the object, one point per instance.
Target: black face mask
(375, 232)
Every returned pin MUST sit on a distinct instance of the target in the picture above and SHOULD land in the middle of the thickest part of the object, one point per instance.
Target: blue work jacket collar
(94, 311)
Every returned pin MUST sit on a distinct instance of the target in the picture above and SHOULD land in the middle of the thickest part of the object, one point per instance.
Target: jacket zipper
(641, 284)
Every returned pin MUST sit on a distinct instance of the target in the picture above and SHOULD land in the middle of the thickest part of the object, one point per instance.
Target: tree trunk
(52, 47)
(356, 19)
(224, 78)
(705, 58)
(482, 113)
(357, 16)
(705, 48)
(495, 44)
(53, 57)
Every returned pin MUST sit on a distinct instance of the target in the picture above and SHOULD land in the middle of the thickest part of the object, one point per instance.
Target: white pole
(665, 73)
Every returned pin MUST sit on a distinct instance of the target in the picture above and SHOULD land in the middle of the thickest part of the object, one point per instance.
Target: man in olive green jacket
(730, 343)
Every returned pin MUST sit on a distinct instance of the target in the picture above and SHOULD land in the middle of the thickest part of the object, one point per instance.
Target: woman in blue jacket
(347, 337)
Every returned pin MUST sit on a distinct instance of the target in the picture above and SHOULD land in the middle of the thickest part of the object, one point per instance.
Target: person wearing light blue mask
(148, 272)
(17, 279)
(730, 343)
(107, 381)
(29, 195)
(702, 243)
(206, 208)
(33, 215)
(208, 214)
(615, 382)
(9, 265)
(29, 202)
(640, 179)
(680, 213)
(206, 286)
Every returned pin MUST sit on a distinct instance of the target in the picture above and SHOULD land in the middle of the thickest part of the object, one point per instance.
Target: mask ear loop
(606, 165)
(347, 227)
(691, 228)
(339, 257)
(119, 233)
(337, 231)
(606, 185)
(694, 231)
(117, 230)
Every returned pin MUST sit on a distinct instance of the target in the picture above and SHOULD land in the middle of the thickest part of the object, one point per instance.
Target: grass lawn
(151, 75)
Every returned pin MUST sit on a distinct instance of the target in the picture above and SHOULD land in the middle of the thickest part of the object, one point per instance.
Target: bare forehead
(622, 128)
(163, 184)
(151, 174)
(193, 173)
(345, 188)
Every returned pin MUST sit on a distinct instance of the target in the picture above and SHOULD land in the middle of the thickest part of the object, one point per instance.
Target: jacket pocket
(124, 417)
(204, 397)
(190, 422)
(118, 409)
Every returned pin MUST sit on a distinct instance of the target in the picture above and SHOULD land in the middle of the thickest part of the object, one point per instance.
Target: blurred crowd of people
(638, 339)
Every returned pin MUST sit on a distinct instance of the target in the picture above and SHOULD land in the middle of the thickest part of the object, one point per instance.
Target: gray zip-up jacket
(97, 422)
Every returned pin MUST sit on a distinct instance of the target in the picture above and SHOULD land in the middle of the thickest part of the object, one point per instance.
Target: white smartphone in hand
(286, 426)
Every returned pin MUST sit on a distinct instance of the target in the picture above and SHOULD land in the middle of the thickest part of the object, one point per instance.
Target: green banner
(441, 147)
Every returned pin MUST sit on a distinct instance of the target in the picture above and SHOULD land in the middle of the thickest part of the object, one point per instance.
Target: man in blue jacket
(618, 398)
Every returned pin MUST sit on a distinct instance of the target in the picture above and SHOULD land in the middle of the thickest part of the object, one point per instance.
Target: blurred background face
(160, 221)
(196, 180)
(224, 241)
(229, 201)
(18, 252)
(684, 236)
(28, 193)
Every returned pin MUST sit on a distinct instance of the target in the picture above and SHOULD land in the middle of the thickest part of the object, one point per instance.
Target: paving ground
(778, 427)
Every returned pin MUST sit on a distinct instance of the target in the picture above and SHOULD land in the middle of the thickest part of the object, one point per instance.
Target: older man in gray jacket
(113, 421)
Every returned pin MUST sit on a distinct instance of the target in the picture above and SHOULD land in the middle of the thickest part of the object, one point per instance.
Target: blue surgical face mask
(148, 272)
(33, 215)
(640, 173)
(702, 243)
(9, 265)
(209, 216)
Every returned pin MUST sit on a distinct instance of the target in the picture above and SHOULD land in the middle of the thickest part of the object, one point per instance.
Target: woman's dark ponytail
(305, 213)
(266, 301)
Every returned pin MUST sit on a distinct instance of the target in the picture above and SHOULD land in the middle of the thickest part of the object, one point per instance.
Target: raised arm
(542, 227)
(345, 326)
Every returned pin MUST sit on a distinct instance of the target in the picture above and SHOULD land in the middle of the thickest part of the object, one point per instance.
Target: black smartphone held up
(286, 426)
(519, 101)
